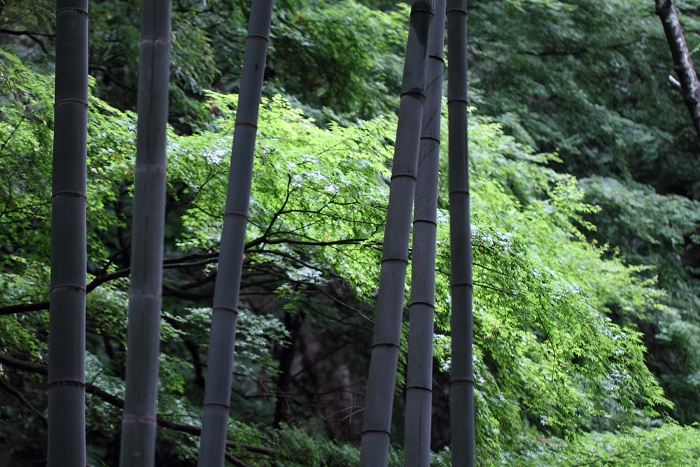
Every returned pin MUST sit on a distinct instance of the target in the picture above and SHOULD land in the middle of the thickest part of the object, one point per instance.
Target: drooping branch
(23, 400)
(30, 34)
(682, 63)
(38, 368)
(195, 260)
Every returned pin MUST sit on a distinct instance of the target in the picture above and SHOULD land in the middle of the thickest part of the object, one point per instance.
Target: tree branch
(682, 63)
(29, 34)
(234, 460)
(117, 402)
(24, 401)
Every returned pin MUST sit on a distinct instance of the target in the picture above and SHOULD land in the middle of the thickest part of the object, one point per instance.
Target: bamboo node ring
(150, 168)
(65, 382)
(413, 92)
(464, 192)
(71, 101)
(427, 221)
(385, 344)
(463, 380)
(71, 194)
(146, 293)
(417, 386)
(74, 287)
(236, 213)
(155, 40)
(376, 430)
(432, 138)
(215, 404)
(131, 418)
(252, 125)
(73, 9)
(395, 258)
(411, 176)
(226, 309)
(259, 36)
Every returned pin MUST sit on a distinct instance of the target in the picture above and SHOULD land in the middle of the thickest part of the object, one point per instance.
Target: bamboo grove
(413, 137)
(181, 283)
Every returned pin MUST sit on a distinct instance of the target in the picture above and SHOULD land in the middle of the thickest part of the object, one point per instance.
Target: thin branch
(14, 130)
(111, 76)
(322, 357)
(675, 84)
(176, 292)
(117, 402)
(346, 305)
(261, 239)
(30, 34)
(24, 401)
(234, 460)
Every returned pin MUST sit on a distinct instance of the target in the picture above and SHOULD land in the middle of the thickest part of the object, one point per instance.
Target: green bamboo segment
(143, 336)
(66, 379)
(228, 279)
(462, 378)
(419, 381)
(387, 331)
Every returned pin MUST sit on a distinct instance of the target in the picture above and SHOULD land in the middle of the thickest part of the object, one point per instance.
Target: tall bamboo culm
(143, 335)
(462, 378)
(376, 427)
(222, 339)
(422, 309)
(66, 383)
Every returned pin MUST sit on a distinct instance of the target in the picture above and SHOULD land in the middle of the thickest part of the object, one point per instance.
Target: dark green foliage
(589, 80)
(659, 232)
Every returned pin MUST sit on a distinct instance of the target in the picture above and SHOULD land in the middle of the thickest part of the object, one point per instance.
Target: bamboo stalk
(419, 381)
(143, 335)
(222, 339)
(66, 376)
(462, 378)
(387, 332)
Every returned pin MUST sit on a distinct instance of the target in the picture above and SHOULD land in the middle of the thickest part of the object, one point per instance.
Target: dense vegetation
(585, 204)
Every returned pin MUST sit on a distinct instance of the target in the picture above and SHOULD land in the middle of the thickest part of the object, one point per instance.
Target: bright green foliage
(541, 299)
(668, 445)
(549, 360)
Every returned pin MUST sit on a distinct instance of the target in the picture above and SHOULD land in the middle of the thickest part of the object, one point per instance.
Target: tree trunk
(422, 310)
(462, 386)
(66, 381)
(222, 340)
(376, 426)
(143, 336)
(293, 323)
(682, 63)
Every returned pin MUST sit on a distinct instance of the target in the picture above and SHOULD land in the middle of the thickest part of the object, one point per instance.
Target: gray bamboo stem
(143, 335)
(422, 309)
(462, 378)
(682, 63)
(66, 378)
(376, 428)
(222, 339)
